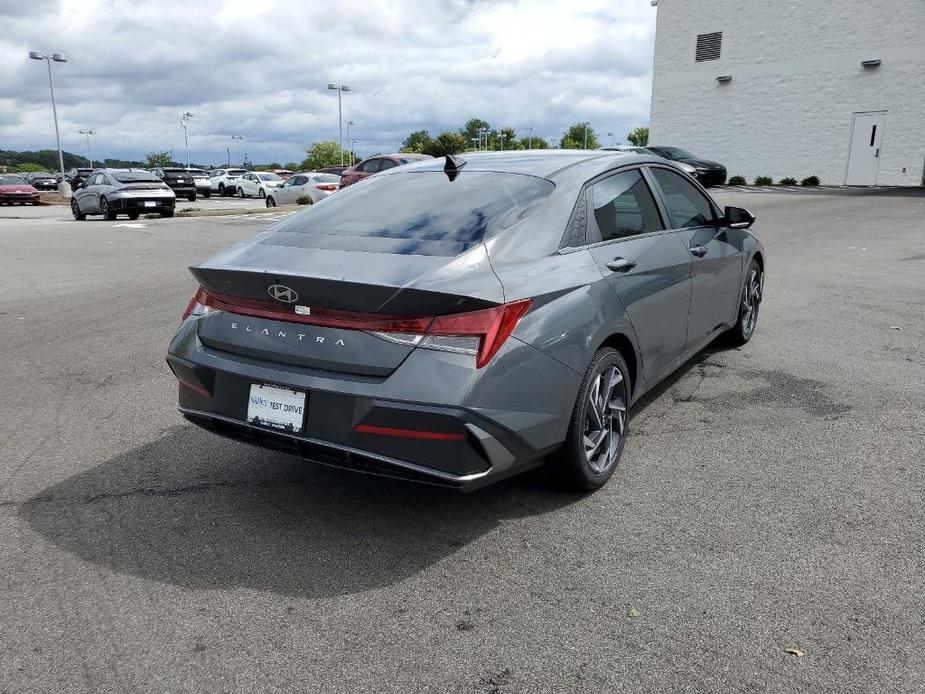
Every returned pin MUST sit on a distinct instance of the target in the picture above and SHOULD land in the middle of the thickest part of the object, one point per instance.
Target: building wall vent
(709, 46)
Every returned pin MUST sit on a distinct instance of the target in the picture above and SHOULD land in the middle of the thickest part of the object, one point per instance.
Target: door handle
(619, 264)
(877, 153)
(699, 251)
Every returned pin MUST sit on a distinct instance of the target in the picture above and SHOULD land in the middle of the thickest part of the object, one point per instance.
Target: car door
(645, 263)
(716, 252)
(215, 179)
(294, 189)
(90, 203)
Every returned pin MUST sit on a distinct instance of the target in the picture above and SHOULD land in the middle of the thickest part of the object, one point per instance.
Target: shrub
(303, 200)
(788, 181)
(810, 181)
(764, 181)
(736, 181)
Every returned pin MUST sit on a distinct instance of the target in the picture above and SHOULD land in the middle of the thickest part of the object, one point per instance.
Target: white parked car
(317, 186)
(258, 183)
(225, 181)
(202, 179)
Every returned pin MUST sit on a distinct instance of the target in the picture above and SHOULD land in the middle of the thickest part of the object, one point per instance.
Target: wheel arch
(624, 345)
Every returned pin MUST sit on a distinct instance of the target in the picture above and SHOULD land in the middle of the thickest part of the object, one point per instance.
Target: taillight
(327, 187)
(479, 333)
(197, 305)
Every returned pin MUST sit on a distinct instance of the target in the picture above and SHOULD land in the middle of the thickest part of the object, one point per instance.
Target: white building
(792, 88)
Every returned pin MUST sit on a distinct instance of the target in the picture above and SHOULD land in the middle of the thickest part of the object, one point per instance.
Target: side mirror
(738, 217)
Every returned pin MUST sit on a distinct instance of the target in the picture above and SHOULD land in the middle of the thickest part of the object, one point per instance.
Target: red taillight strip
(325, 318)
(409, 433)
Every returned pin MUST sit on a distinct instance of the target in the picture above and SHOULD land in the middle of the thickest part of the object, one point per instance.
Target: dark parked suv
(181, 181)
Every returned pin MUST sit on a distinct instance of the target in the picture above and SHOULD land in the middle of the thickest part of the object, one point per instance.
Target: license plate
(277, 408)
(150, 203)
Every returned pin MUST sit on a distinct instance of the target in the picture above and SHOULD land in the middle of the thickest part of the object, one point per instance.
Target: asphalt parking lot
(769, 498)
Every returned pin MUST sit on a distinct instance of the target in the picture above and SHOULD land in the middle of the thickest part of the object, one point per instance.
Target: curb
(228, 212)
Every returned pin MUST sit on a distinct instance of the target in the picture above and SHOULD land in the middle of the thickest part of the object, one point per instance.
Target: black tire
(241, 192)
(134, 215)
(221, 189)
(107, 213)
(191, 197)
(167, 212)
(75, 210)
(270, 201)
(749, 303)
(580, 463)
(262, 193)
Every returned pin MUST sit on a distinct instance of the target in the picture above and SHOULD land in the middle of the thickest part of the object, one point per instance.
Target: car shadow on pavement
(201, 512)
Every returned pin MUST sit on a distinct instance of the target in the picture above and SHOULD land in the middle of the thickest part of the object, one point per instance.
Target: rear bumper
(435, 419)
(183, 190)
(138, 203)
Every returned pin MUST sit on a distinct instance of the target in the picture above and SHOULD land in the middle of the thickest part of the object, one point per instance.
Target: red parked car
(375, 164)
(15, 189)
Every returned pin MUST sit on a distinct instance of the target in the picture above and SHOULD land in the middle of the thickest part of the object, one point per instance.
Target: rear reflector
(409, 433)
(481, 333)
(329, 187)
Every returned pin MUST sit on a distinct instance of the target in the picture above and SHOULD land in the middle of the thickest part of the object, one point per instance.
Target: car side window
(622, 205)
(372, 166)
(95, 180)
(387, 164)
(687, 206)
(300, 180)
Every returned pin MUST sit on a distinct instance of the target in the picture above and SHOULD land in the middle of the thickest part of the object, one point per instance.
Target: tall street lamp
(530, 137)
(184, 120)
(587, 125)
(340, 115)
(483, 132)
(237, 139)
(349, 141)
(63, 187)
(88, 133)
(352, 143)
(610, 135)
(227, 154)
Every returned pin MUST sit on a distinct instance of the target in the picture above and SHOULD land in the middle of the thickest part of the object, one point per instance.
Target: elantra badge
(281, 292)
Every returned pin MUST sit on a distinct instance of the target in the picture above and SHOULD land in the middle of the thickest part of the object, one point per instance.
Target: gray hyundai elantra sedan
(462, 319)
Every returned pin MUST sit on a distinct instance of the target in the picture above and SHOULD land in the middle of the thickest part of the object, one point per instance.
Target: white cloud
(260, 68)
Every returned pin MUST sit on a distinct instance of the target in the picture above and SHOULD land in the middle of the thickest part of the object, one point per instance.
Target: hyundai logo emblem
(281, 292)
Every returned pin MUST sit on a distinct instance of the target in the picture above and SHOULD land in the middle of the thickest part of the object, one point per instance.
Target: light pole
(476, 142)
(237, 139)
(227, 155)
(501, 136)
(484, 132)
(88, 133)
(610, 135)
(64, 188)
(349, 141)
(184, 119)
(553, 143)
(530, 137)
(340, 115)
(587, 125)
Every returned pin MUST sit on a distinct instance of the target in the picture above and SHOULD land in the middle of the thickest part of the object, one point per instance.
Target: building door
(864, 155)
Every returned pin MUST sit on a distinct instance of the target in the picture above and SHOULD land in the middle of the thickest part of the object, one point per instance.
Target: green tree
(533, 143)
(324, 153)
(28, 167)
(639, 137)
(447, 143)
(470, 130)
(153, 159)
(291, 166)
(418, 142)
(580, 136)
(507, 139)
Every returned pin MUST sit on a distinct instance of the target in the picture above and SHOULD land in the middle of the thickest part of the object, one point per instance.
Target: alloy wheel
(751, 300)
(605, 419)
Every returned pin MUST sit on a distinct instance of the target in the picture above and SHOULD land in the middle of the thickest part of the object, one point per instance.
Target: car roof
(545, 163)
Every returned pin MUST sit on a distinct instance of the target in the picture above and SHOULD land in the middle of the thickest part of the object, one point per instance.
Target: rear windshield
(326, 178)
(268, 177)
(417, 213)
(134, 176)
(237, 172)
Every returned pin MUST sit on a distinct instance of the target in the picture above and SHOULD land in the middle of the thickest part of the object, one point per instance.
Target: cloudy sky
(260, 68)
